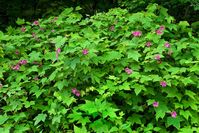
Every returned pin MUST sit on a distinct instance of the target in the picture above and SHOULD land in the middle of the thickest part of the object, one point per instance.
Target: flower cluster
(85, 51)
(17, 66)
(160, 30)
(148, 44)
(76, 92)
(136, 33)
(36, 23)
(128, 70)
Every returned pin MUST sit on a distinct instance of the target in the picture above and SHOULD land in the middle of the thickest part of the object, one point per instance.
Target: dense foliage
(112, 72)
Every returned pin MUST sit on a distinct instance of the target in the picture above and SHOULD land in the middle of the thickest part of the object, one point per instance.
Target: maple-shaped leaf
(174, 122)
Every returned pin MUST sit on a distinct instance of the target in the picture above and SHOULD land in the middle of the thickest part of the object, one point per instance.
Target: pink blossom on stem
(112, 28)
(57, 52)
(167, 45)
(23, 29)
(16, 67)
(159, 32)
(23, 62)
(157, 57)
(36, 23)
(148, 44)
(137, 33)
(75, 92)
(155, 104)
(16, 52)
(163, 83)
(128, 71)
(85, 51)
(173, 114)
(162, 27)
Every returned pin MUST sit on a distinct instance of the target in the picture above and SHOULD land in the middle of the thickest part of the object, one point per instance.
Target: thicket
(111, 72)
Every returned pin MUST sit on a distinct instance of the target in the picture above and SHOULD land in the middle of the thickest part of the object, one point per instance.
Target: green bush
(112, 72)
(181, 9)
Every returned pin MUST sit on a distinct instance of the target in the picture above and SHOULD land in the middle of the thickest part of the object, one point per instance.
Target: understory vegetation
(113, 72)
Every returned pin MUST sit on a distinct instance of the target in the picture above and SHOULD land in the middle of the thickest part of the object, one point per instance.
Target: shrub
(113, 72)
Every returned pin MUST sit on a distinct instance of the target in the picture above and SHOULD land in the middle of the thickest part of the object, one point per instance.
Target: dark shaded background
(30, 10)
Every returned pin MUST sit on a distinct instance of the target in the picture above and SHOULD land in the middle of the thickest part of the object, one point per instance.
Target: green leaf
(161, 110)
(53, 75)
(40, 117)
(20, 21)
(134, 55)
(78, 8)
(185, 113)
(28, 104)
(174, 122)
(61, 84)
(183, 24)
(21, 128)
(74, 62)
(56, 119)
(37, 91)
(80, 130)
(34, 56)
(138, 88)
(135, 118)
(113, 55)
(59, 41)
(191, 94)
(3, 119)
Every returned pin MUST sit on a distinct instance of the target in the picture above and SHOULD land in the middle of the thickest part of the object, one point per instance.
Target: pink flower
(173, 114)
(16, 52)
(23, 29)
(137, 33)
(167, 45)
(148, 44)
(1, 85)
(155, 104)
(36, 78)
(36, 23)
(23, 62)
(157, 57)
(162, 27)
(159, 32)
(112, 28)
(75, 92)
(57, 52)
(84, 51)
(163, 83)
(128, 71)
(52, 30)
(16, 67)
